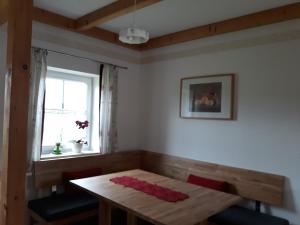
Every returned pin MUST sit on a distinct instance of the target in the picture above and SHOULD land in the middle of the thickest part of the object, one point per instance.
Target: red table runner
(162, 193)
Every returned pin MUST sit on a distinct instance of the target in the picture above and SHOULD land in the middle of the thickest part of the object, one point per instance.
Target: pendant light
(133, 34)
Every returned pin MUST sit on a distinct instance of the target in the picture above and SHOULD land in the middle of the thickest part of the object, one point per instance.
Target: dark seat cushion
(237, 215)
(62, 205)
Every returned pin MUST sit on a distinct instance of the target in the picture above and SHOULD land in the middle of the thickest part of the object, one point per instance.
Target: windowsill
(68, 155)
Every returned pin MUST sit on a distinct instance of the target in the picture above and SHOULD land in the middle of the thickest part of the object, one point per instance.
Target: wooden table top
(201, 204)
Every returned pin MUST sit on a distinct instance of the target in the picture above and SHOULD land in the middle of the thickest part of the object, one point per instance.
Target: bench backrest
(264, 187)
(49, 172)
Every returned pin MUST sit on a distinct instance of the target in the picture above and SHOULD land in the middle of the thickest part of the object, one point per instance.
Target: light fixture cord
(133, 17)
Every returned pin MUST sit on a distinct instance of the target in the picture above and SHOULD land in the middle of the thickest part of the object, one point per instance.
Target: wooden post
(3, 11)
(13, 190)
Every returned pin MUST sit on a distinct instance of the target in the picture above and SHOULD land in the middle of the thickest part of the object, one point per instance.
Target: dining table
(157, 199)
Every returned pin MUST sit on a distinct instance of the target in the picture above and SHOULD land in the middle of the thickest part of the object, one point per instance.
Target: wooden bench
(63, 209)
(252, 185)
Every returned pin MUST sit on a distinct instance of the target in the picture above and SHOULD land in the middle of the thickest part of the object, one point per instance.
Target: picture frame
(207, 97)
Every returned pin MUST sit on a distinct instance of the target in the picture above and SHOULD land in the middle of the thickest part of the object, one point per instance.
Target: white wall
(265, 135)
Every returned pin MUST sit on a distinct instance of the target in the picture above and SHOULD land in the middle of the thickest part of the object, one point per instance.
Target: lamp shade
(133, 35)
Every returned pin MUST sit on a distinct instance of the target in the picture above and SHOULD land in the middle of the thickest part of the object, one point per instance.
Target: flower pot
(77, 147)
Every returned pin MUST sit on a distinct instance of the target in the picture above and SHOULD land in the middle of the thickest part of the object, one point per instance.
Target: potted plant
(57, 149)
(78, 144)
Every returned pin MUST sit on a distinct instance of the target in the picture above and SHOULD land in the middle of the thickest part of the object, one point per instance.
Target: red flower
(82, 125)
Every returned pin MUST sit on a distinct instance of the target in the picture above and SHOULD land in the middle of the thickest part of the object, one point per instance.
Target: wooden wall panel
(49, 172)
(249, 184)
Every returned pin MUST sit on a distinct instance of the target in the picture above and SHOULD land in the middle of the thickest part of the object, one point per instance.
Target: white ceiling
(72, 8)
(167, 16)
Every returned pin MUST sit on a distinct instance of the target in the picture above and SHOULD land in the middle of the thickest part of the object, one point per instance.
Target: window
(69, 97)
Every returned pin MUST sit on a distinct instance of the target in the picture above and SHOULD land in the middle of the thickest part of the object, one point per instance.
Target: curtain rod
(85, 58)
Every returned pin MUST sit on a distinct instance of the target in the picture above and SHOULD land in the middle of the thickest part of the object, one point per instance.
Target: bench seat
(237, 215)
(60, 206)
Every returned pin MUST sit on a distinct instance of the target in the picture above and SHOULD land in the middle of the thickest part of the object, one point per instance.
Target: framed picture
(207, 97)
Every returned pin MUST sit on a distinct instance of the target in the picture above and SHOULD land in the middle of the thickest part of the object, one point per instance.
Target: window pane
(59, 126)
(67, 100)
(52, 128)
(75, 95)
(54, 93)
(70, 131)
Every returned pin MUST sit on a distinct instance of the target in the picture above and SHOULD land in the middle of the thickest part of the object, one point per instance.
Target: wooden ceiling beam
(266, 17)
(275, 15)
(53, 19)
(110, 12)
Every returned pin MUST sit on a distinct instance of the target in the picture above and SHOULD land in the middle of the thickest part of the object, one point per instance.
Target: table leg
(131, 219)
(104, 213)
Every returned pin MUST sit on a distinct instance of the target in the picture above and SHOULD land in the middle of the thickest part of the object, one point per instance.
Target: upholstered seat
(59, 206)
(237, 215)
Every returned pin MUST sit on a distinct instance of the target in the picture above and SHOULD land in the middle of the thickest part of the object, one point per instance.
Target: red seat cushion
(67, 176)
(208, 183)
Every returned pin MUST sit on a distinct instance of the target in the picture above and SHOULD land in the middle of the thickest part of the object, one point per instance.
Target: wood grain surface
(201, 204)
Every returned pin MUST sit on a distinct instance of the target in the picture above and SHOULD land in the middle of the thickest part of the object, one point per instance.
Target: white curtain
(108, 109)
(36, 101)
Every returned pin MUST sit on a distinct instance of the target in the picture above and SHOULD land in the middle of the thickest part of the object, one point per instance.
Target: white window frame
(53, 73)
